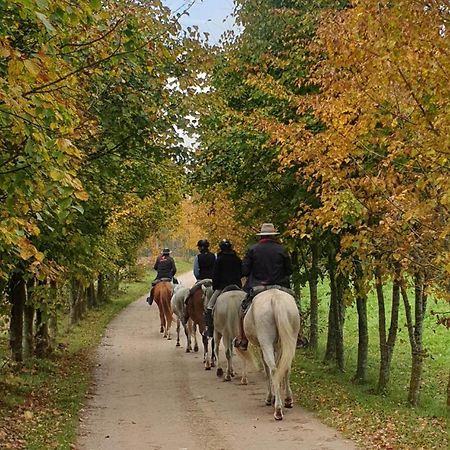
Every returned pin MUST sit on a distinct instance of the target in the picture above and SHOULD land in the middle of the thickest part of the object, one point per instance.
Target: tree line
(331, 119)
(89, 163)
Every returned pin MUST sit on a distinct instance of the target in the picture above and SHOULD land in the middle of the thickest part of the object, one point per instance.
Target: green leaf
(43, 18)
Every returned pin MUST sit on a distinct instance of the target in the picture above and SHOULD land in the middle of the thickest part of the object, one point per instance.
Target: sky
(211, 16)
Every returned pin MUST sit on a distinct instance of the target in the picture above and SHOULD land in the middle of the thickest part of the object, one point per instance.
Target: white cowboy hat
(267, 229)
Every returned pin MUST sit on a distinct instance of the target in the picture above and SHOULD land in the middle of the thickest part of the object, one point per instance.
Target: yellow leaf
(82, 195)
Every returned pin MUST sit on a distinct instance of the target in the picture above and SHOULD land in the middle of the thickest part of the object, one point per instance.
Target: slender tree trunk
(363, 329)
(43, 347)
(18, 299)
(313, 298)
(28, 331)
(91, 297)
(387, 344)
(53, 317)
(330, 350)
(415, 332)
(74, 303)
(363, 339)
(101, 293)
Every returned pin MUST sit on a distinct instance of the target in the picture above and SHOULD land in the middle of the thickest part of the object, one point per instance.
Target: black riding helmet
(202, 243)
(225, 244)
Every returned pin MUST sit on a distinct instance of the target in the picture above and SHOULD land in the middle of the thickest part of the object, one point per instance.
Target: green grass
(379, 421)
(183, 266)
(41, 401)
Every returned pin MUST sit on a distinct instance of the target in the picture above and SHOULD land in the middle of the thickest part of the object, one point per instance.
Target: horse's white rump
(272, 323)
(226, 326)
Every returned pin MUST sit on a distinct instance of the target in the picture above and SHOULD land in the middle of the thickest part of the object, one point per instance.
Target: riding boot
(241, 341)
(209, 322)
(150, 298)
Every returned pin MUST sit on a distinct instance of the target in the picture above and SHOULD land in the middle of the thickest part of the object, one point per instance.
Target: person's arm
(156, 264)
(196, 267)
(216, 274)
(247, 264)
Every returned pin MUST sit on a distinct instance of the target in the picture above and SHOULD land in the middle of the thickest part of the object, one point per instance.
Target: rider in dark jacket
(266, 263)
(165, 268)
(227, 271)
(204, 261)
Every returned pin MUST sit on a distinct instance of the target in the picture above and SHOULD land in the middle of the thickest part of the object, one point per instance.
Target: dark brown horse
(195, 310)
(162, 294)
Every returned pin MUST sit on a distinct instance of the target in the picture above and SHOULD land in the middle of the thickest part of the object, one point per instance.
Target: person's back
(267, 263)
(204, 261)
(227, 270)
(165, 265)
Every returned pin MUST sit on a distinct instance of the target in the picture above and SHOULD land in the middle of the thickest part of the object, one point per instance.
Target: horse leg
(217, 338)
(195, 338)
(188, 332)
(269, 358)
(161, 320)
(178, 332)
(213, 354)
(206, 358)
(289, 400)
(269, 396)
(229, 355)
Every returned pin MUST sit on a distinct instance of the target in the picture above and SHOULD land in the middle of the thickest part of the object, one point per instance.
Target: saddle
(206, 282)
(246, 303)
(159, 280)
(231, 287)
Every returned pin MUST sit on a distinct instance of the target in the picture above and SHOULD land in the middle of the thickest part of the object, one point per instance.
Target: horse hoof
(188, 350)
(278, 414)
(161, 330)
(268, 402)
(227, 378)
(169, 338)
(289, 403)
(219, 372)
(213, 364)
(178, 344)
(244, 381)
(207, 368)
(196, 348)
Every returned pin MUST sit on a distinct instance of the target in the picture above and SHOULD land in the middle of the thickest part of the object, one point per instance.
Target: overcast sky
(211, 16)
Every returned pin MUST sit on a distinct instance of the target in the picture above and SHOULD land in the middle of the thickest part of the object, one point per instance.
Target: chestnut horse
(272, 323)
(162, 294)
(195, 309)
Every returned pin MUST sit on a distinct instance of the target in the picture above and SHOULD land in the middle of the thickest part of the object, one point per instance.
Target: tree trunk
(331, 338)
(387, 344)
(28, 333)
(363, 329)
(18, 299)
(363, 339)
(43, 347)
(91, 297)
(314, 301)
(52, 317)
(101, 293)
(415, 332)
(75, 315)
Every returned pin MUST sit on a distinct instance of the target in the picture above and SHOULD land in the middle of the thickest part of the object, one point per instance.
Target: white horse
(226, 326)
(177, 302)
(272, 323)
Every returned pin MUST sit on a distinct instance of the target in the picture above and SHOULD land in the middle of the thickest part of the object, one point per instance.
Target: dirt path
(151, 395)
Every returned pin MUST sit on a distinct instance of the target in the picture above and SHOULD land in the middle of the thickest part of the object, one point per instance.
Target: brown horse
(162, 294)
(195, 310)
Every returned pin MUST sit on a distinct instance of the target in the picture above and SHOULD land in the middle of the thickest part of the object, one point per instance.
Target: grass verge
(40, 401)
(378, 421)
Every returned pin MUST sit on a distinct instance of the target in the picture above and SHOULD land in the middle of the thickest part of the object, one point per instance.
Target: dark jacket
(267, 263)
(165, 267)
(227, 270)
(206, 262)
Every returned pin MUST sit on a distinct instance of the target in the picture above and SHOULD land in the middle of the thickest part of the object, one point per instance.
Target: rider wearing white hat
(266, 263)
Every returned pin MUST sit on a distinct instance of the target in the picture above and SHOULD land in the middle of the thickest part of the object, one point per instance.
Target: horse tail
(287, 336)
